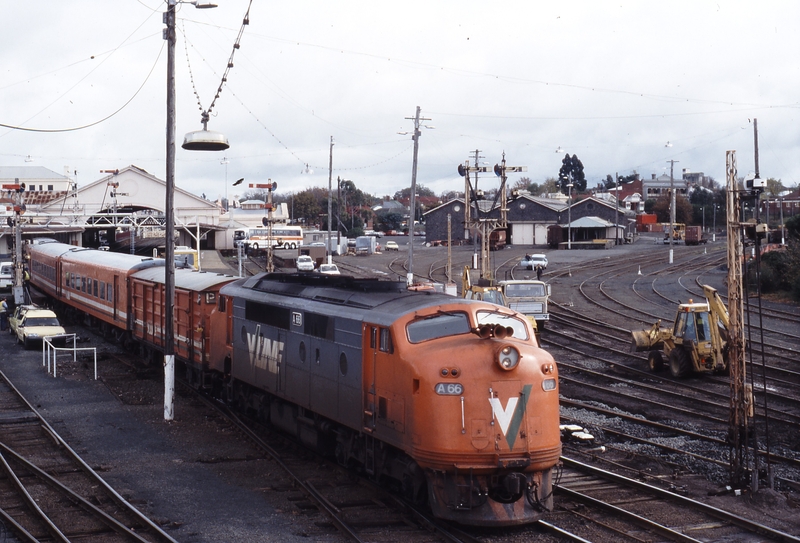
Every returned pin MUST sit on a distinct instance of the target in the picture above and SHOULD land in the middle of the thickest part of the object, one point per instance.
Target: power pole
(413, 198)
(330, 195)
(671, 207)
(616, 221)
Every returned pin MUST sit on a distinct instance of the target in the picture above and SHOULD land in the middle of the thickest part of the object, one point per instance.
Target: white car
(36, 324)
(6, 275)
(305, 263)
(329, 269)
(392, 246)
(530, 262)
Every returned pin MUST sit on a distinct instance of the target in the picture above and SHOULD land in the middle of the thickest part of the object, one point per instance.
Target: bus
(283, 237)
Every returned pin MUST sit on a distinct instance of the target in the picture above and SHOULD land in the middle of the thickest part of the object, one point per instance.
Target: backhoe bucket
(647, 340)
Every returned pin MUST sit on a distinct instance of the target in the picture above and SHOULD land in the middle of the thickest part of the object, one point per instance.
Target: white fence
(51, 352)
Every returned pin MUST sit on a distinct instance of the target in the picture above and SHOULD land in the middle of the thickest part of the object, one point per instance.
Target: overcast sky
(612, 82)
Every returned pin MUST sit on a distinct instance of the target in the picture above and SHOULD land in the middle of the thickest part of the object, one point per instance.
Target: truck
(696, 342)
(366, 245)
(529, 297)
(485, 291)
(694, 235)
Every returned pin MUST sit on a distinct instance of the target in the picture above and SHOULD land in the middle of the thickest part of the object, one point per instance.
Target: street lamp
(194, 141)
(714, 233)
(703, 209)
(569, 216)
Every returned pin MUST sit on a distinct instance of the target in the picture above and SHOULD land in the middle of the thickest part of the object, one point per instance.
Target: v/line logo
(265, 353)
(511, 416)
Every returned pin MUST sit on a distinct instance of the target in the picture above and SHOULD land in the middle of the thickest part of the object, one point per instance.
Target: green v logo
(510, 417)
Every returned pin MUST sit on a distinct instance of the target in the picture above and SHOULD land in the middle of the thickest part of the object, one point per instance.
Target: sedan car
(329, 269)
(35, 325)
(530, 262)
(305, 263)
(16, 316)
(392, 246)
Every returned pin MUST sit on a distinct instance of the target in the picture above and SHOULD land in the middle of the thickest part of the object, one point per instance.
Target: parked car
(6, 275)
(36, 324)
(305, 263)
(330, 269)
(392, 246)
(16, 316)
(531, 261)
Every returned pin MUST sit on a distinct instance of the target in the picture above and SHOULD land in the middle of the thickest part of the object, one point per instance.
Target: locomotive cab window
(437, 326)
(494, 317)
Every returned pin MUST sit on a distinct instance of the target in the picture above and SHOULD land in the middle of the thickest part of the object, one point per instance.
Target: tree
(390, 220)
(571, 172)
(683, 209)
(406, 192)
(774, 188)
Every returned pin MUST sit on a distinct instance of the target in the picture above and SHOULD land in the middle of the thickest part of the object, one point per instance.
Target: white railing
(49, 349)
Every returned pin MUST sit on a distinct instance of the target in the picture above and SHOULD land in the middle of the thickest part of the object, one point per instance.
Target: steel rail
(710, 510)
(87, 469)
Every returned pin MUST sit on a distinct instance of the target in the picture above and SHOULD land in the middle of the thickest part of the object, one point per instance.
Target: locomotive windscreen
(438, 326)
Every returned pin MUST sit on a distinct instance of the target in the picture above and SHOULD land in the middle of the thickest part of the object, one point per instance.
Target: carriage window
(494, 317)
(94, 288)
(373, 337)
(222, 305)
(438, 326)
(110, 293)
(102, 290)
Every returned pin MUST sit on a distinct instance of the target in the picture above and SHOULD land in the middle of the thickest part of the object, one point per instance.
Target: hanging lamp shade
(205, 140)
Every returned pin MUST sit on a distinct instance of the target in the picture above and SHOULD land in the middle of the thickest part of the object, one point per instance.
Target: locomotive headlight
(508, 357)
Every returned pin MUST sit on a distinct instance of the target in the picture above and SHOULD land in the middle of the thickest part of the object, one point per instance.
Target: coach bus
(283, 237)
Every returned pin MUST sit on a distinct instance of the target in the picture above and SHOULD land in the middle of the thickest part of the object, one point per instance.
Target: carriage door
(115, 301)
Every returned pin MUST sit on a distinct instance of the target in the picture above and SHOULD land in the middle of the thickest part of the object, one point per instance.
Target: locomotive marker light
(169, 205)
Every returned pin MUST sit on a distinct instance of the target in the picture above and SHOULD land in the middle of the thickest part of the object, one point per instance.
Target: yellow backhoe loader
(695, 343)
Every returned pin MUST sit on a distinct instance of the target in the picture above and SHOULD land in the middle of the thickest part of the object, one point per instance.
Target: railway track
(355, 507)
(48, 493)
(623, 508)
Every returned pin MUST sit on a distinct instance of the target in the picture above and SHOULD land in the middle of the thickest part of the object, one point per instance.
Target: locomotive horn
(484, 331)
(500, 331)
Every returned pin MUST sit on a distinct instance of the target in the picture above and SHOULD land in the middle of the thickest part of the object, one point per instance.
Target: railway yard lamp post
(569, 217)
(714, 229)
(202, 141)
(703, 209)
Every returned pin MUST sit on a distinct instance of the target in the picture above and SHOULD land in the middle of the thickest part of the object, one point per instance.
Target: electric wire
(74, 128)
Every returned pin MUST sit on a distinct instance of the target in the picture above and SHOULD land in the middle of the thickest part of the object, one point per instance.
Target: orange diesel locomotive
(450, 399)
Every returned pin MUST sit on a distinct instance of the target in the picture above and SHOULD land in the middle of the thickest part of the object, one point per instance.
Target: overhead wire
(74, 128)
(21, 127)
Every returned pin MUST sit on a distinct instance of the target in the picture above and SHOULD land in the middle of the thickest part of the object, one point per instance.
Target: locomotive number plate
(449, 389)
